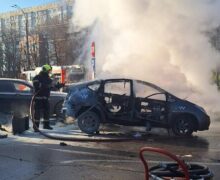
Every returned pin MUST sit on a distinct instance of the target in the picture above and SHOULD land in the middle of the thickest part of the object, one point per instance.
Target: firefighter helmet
(46, 68)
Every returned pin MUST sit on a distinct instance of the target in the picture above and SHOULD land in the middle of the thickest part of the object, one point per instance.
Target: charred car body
(132, 103)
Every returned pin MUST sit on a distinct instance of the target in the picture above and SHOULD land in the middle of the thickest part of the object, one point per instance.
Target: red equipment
(179, 170)
(93, 49)
(164, 152)
(63, 75)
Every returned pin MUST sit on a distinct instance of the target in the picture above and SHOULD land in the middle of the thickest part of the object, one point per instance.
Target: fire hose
(61, 138)
(179, 170)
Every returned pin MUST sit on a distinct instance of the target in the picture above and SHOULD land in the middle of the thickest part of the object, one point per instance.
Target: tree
(49, 42)
(215, 42)
(2, 62)
(64, 47)
(10, 64)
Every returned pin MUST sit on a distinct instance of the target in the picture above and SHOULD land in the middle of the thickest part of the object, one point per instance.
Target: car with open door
(132, 103)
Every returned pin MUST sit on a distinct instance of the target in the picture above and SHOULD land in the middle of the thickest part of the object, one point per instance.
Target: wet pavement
(33, 156)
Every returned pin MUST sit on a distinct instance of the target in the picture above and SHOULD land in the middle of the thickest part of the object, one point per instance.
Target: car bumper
(204, 123)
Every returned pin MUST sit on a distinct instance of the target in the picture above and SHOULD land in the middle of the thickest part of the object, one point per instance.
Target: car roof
(140, 81)
(126, 79)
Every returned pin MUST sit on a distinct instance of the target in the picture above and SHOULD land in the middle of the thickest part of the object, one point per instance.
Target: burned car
(132, 103)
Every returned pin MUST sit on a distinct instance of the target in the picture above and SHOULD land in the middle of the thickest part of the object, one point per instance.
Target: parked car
(132, 103)
(16, 94)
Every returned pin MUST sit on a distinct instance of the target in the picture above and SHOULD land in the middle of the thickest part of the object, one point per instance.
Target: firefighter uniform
(42, 85)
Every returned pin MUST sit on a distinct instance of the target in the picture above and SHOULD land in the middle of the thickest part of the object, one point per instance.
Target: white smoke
(160, 41)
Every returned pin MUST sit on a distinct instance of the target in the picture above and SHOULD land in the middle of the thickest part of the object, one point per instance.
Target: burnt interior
(121, 105)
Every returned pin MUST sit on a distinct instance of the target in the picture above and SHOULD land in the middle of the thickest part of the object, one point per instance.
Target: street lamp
(26, 31)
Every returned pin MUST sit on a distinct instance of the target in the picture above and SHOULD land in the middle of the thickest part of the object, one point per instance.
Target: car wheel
(183, 126)
(58, 111)
(88, 122)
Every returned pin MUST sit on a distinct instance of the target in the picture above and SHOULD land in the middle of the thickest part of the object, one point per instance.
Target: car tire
(183, 126)
(88, 122)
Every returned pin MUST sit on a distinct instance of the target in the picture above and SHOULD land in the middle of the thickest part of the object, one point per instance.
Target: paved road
(32, 156)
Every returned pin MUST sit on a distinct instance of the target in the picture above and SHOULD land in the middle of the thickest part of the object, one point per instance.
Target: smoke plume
(160, 41)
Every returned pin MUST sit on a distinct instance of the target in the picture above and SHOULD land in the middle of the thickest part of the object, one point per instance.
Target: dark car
(132, 103)
(16, 94)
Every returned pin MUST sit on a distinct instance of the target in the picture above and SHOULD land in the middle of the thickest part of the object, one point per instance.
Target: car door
(117, 97)
(150, 102)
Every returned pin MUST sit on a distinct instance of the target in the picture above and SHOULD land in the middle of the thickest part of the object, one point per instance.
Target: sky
(6, 5)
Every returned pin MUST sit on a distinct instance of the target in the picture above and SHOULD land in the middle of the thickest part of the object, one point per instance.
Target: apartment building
(24, 22)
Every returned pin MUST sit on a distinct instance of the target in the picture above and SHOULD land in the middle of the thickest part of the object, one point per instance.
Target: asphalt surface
(32, 156)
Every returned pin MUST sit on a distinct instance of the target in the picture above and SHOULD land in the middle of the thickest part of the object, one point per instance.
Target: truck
(63, 74)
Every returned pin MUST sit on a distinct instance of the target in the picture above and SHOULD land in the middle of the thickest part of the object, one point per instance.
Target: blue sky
(6, 4)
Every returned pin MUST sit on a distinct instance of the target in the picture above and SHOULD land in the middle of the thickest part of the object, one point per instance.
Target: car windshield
(92, 85)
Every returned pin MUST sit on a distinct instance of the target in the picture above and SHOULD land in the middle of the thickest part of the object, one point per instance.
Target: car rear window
(6, 86)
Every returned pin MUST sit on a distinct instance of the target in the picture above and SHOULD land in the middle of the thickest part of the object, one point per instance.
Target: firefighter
(42, 86)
